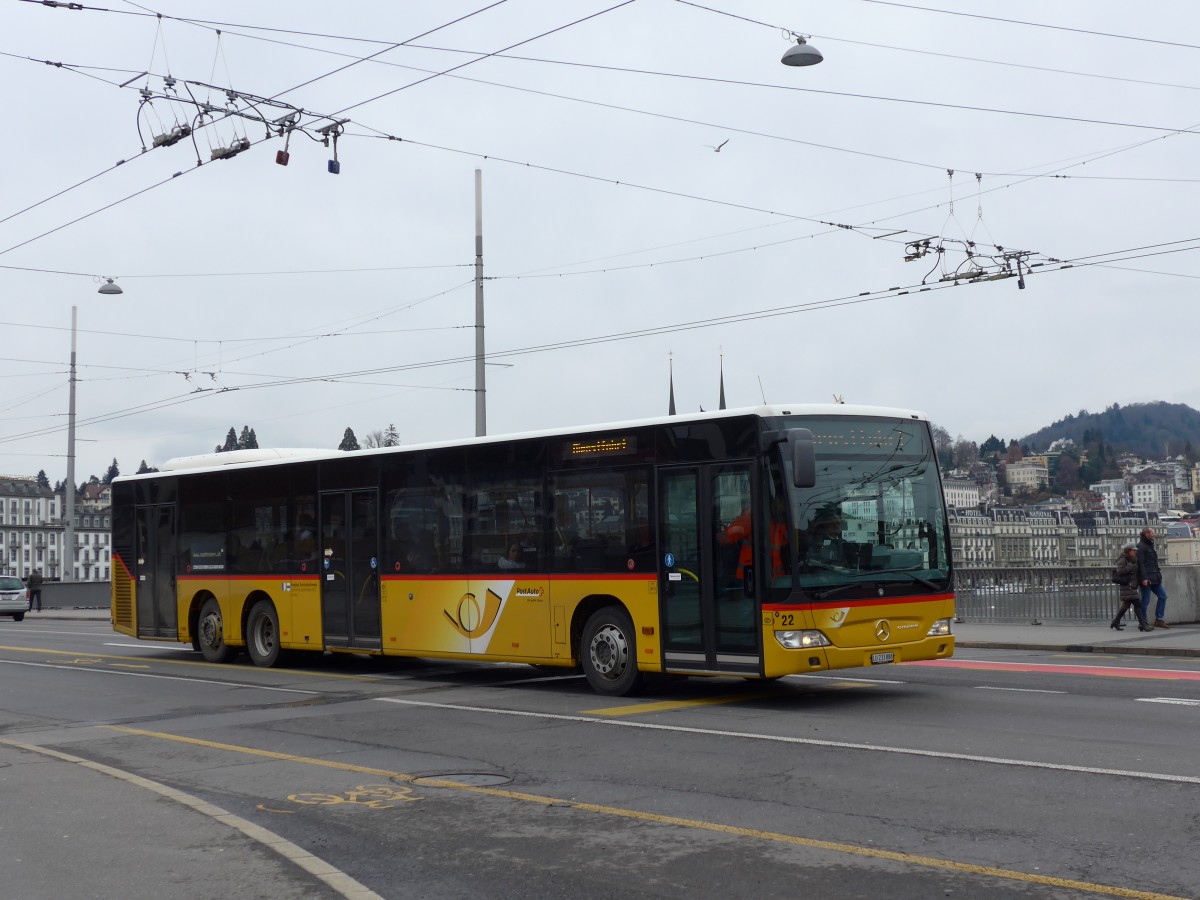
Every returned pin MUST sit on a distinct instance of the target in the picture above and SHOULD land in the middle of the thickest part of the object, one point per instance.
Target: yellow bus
(753, 543)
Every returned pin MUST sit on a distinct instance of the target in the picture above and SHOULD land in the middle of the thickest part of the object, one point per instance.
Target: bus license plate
(880, 658)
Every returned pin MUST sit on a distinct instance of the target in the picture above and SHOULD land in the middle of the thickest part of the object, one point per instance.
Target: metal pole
(67, 560)
(480, 388)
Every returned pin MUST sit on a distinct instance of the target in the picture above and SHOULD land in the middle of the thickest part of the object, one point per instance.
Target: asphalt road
(998, 774)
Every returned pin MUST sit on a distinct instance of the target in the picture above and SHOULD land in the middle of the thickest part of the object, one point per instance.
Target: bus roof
(252, 458)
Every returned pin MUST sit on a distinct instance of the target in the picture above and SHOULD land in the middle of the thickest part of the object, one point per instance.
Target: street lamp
(110, 287)
(803, 54)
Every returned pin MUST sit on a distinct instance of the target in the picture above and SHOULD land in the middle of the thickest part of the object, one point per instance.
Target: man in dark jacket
(1150, 579)
(34, 585)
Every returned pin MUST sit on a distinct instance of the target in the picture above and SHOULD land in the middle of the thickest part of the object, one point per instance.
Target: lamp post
(68, 562)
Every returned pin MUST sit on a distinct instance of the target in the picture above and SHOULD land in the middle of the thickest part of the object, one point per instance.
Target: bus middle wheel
(609, 653)
(210, 631)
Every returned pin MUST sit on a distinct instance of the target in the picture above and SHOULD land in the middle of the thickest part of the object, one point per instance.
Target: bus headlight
(940, 628)
(802, 640)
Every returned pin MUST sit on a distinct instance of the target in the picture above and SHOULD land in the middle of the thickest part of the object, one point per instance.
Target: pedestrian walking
(1150, 579)
(33, 588)
(1126, 575)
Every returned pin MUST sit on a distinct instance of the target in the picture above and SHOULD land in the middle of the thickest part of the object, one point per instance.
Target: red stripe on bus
(862, 601)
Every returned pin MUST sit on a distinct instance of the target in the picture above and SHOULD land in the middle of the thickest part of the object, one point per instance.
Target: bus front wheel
(211, 633)
(610, 653)
(262, 635)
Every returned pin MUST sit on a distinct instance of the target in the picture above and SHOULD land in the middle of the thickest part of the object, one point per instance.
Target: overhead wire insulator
(174, 136)
(232, 150)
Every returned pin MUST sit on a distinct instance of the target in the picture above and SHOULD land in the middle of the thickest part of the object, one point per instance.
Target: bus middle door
(707, 579)
(350, 602)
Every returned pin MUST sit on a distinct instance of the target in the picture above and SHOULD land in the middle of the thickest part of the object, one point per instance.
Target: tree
(1067, 475)
(113, 472)
(230, 442)
(143, 468)
(966, 453)
(391, 437)
(349, 441)
(943, 445)
(373, 440)
(42, 479)
(247, 440)
(993, 445)
(1014, 453)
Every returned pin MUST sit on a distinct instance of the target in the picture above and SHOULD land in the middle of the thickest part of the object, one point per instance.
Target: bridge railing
(1065, 595)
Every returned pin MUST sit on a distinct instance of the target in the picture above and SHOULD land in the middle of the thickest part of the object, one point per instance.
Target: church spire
(722, 404)
(671, 380)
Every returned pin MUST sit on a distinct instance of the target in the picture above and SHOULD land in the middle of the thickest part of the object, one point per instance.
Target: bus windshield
(874, 523)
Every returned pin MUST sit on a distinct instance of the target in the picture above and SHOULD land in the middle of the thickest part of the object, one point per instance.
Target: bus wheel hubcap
(610, 651)
(210, 630)
(265, 636)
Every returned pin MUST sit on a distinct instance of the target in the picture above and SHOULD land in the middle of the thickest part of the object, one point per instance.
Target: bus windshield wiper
(925, 582)
(833, 591)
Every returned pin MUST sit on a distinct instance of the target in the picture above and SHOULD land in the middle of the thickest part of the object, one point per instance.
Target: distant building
(961, 492)
(33, 533)
(1156, 496)
(1045, 536)
(1027, 476)
(1113, 492)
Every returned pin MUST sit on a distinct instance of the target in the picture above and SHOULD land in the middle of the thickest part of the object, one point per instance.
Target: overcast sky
(616, 239)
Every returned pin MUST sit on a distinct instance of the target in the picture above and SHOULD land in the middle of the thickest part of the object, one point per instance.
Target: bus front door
(707, 582)
(154, 572)
(349, 545)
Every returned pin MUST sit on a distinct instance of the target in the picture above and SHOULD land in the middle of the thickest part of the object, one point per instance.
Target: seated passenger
(514, 559)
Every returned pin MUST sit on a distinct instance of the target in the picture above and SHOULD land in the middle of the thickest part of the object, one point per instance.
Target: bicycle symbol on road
(372, 796)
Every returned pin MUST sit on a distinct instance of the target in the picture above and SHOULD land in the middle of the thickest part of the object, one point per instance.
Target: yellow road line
(634, 709)
(197, 663)
(696, 824)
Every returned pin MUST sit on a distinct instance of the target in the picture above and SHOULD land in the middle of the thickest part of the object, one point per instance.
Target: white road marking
(1176, 700)
(810, 742)
(988, 687)
(237, 684)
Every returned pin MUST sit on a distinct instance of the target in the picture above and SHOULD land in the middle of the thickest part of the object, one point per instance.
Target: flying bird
(717, 148)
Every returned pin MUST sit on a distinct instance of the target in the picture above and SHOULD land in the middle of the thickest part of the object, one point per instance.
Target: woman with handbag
(1125, 575)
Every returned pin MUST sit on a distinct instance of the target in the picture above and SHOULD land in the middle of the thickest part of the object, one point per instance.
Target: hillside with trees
(1151, 430)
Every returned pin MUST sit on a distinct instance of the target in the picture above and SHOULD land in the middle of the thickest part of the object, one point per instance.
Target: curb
(1081, 648)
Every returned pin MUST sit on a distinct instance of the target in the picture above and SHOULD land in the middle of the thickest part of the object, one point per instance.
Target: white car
(13, 599)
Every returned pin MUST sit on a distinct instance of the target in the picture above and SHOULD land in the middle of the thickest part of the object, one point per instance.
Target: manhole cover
(473, 779)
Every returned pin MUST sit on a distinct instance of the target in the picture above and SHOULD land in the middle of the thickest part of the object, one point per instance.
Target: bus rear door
(154, 571)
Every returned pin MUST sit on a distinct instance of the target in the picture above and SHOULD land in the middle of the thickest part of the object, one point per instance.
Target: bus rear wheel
(610, 653)
(262, 635)
(210, 631)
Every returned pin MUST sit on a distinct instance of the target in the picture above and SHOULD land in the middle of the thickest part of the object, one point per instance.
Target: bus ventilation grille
(122, 596)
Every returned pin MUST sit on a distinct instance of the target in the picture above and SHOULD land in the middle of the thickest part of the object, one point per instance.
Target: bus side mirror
(804, 458)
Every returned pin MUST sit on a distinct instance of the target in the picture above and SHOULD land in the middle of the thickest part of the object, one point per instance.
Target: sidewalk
(1178, 640)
